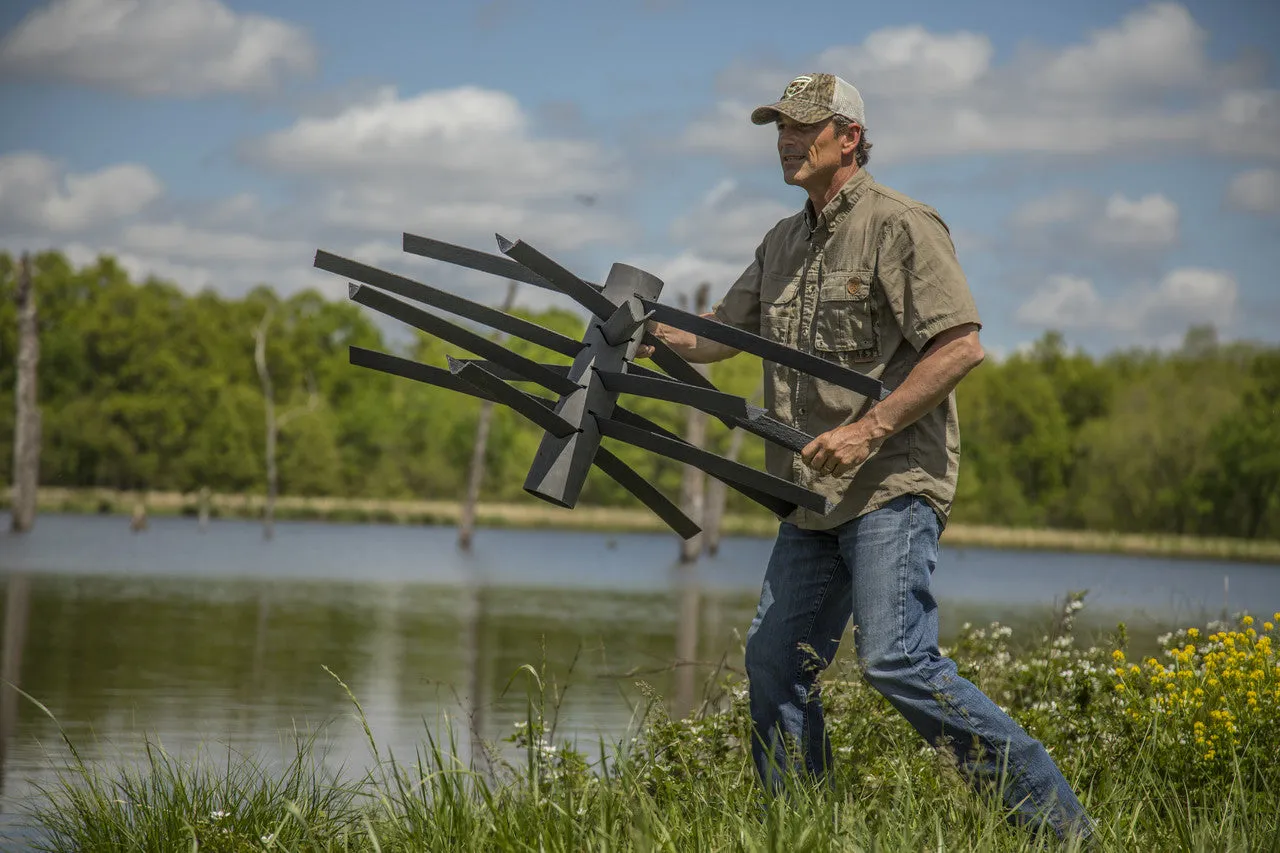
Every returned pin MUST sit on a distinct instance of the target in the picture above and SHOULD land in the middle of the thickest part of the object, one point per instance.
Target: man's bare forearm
(947, 360)
(689, 346)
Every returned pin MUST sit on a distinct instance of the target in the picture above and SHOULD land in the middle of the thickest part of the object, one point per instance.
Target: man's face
(810, 153)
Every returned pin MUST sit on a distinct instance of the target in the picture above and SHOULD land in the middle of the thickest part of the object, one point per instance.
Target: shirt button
(800, 410)
(853, 285)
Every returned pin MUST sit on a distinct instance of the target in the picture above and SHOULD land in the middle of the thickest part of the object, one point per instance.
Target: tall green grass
(687, 784)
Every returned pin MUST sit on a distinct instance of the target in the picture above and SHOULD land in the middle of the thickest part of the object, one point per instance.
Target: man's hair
(861, 154)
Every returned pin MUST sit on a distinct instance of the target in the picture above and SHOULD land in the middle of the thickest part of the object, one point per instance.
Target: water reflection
(15, 637)
(221, 638)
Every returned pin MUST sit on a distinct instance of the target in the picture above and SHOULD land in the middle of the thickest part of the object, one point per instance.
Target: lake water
(219, 638)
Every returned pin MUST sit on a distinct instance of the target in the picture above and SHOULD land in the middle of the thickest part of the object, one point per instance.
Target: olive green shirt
(866, 283)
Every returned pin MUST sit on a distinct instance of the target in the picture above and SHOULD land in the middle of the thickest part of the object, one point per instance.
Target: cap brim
(796, 110)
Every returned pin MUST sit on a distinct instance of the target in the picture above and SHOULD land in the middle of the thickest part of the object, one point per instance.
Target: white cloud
(465, 134)
(140, 267)
(714, 240)
(1255, 191)
(912, 61)
(1154, 312)
(157, 47)
(36, 192)
(1064, 302)
(1145, 84)
(230, 244)
(1157, 47)
(1066, 222)
(457, 164)
(230, 277)
(184, 242)
(1191, 295)
(727, 224)
(1054, 209)
(1148, 221)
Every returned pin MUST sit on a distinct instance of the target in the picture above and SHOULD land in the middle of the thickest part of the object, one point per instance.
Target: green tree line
(143, 386)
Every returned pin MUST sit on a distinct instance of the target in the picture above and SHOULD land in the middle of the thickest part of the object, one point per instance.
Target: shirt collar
(839, 206)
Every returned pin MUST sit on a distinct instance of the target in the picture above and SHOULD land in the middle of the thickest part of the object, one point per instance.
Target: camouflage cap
(812, 98)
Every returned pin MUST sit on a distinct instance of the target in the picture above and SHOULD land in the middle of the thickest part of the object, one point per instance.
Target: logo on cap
(797, 86)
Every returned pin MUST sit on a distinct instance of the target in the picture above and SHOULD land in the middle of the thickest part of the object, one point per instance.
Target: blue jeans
(876, 569)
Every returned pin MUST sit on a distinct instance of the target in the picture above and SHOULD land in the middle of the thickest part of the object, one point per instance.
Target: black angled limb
(476, 260)
(418, 372)
(771, 429)
(611, 465)
(511, 397)
(767, 349)
(627, 477)
(458, 336)
(713, 402)
(738, 412)
(509, 375)
(713, 464)
(559, 277)
(410, 289)
(775, 505)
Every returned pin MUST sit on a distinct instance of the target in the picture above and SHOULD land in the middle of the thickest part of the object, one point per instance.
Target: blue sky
(1109, 169)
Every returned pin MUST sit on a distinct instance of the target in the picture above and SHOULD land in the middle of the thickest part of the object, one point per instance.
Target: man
(868, 278)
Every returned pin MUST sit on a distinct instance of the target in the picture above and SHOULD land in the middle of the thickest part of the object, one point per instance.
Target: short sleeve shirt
(866, 282)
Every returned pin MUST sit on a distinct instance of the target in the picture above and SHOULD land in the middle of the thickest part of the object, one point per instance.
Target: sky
(1108, 169)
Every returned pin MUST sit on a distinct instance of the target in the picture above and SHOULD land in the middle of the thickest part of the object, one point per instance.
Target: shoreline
(622, 520)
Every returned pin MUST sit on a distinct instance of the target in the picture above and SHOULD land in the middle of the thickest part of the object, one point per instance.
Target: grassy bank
(534, 513)
(1178, 753)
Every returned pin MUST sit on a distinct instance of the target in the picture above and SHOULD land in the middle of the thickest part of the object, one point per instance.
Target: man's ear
(852, 136)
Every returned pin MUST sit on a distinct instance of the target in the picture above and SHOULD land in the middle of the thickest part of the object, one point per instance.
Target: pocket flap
(845, 285)
(778, 289)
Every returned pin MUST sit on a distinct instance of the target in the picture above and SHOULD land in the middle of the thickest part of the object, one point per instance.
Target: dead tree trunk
(475, 475)
(716, 490)
(273, 423)
(693, 483)
(269, 410)
(26, 425)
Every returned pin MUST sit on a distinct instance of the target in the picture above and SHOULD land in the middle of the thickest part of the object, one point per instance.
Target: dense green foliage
(1192, 767)
(145, 387)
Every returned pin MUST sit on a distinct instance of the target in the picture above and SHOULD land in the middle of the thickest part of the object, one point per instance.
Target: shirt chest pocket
(779, 306)
(845, 324)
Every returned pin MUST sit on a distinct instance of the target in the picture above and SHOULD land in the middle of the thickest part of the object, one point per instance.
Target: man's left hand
(841, 449)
